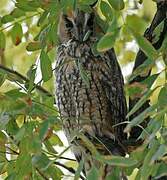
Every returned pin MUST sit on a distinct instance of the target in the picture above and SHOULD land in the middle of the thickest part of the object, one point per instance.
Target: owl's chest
(79, 89)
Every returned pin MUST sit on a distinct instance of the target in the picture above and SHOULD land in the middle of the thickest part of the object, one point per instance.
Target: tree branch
(20, 76)
(160, 16)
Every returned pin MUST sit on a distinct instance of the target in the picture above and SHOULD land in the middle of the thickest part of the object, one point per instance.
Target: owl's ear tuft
(64, 28)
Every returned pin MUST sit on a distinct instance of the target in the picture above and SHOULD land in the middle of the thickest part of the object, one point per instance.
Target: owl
(89, 90)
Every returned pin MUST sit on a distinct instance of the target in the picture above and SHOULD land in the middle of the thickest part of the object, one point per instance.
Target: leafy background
(31, 144)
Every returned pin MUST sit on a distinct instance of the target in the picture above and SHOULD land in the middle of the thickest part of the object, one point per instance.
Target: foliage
(29, 121)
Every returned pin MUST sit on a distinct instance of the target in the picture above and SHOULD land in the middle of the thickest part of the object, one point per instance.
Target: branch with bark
(160, 16)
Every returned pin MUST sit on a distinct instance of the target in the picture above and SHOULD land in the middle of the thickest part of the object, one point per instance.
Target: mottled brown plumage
(89, 88)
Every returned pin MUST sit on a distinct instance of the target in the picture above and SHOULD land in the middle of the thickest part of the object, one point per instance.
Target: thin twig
(10, 71)
(2, 29)
(41, 174)
(70, 169)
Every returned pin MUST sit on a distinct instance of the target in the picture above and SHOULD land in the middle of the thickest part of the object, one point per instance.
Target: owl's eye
(68, 23)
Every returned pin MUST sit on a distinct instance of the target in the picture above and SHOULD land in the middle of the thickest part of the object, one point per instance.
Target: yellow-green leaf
(145, 45)
(141, 101)
(46, 66)
(117, 4)
(2, 41)
(33, 46)
(106, 10)
(17, 34)
(107, 41)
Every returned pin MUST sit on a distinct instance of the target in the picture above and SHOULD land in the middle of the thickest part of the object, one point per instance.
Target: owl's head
(75, 25)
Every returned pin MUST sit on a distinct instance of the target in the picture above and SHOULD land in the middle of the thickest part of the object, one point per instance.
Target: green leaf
(2, 78)
(23, 165)
(150, 80)
(108, 40)
(93, 174)
(16, 34)
(117, 4)
(42, 18)
(7, 18)
(3, 138)
(161, 171)
(139, 26)
(49, 147)
(147, 167)
(162, 98)
(4, 119)
(143, 70)
(43, 129)
(52, 36)
(54, 172)
(41, 161)
(140, 118)
(16, 13)
(88, 144)
(23, 5)
(31, 74)
(88, 2)
(33, 46)
(117, 161)
(84, 75)
(46, 66)
(79, 170)
(55, 140)
(145, 45)
(162, 150)
(2, 41)
(141, 101)
(20, 134)
(106, 10)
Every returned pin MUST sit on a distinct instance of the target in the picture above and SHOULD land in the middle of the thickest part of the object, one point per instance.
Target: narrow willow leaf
(41, 161)
(140, 118)
(42, 18)
(23, 165)
(2, 78)
(161, 172)
(143, 70)
(93, 174)
(43, 129)
(88, 144)
(106, 10)
(20, 134)
(46, 66)
(2, 41)
(31, 74)
(117, 161)
(16, 13)
(117, 4)
(33, 46)
(83, 73)
(88, 2)
(162, 150)
(162, 98)
(145, 45)
(7, 18)
(16, 33)
(150, 80)
(108, 40)
(147, 167)
(55, 140)
(79, 170)
(141, 101)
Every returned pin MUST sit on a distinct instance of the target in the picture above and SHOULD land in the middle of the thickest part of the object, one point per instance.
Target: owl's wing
(114, 88)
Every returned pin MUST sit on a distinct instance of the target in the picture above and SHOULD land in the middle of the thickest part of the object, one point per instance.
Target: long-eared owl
(89, 88)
